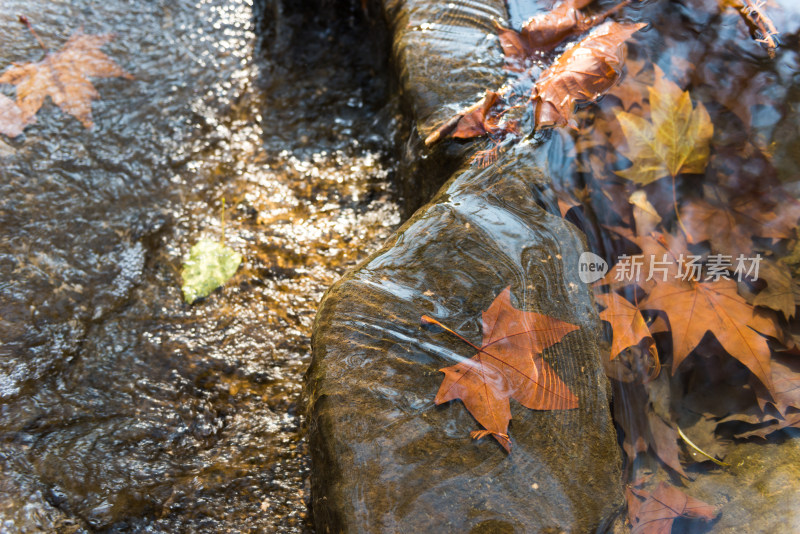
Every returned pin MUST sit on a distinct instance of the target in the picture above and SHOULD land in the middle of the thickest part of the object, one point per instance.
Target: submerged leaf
(642, 427)
(543, 32)
(626, 322)
(675, 140)
(64, 77)
(660, 509)
(581, 74)
(731, 224)
(697, 308)
(210, 264)
(508, 365)
(781, 291)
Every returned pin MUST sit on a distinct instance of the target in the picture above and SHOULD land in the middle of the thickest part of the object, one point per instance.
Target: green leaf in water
(210, 265)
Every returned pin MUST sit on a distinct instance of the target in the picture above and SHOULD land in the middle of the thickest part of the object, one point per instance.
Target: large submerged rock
(385, 458)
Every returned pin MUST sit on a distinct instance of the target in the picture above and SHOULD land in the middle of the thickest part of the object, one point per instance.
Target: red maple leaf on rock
(508, 365)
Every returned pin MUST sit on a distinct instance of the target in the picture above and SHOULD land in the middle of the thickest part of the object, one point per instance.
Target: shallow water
(122, 407)
(125, 409)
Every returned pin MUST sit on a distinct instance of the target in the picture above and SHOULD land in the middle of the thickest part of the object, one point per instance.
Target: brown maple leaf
(790, 421)
(626, 321)
(730, 225)
(661, 507)
(478, 121)
(781, 291)
(508, 365)
(64, 77)
(481, 118)
(786, 385)
(545, 31)
(581, 74)
(695, 308)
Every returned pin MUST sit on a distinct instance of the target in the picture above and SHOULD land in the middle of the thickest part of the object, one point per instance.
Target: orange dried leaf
(581, 74)
(481, 118)
(64, 77)
(696, 308)
(478, 121)
(508, 365)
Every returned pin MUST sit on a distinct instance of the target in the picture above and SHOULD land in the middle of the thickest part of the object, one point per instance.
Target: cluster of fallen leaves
(565, 74)
(63, 76)
(696, 216)
(696, 286)
(580, 73)
(713, 233)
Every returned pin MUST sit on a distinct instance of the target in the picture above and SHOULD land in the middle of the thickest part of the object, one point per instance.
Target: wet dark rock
(386, 459)
(446, 55)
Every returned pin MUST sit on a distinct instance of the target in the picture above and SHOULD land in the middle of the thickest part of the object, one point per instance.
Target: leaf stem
(698, 449)
(24, 20)
(430, 320)
(677, 213)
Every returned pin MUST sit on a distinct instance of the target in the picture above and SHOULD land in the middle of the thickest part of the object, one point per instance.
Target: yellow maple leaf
(64, 77)
(675, 140)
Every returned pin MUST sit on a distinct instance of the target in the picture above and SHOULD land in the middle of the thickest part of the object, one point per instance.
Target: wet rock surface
(444, 57)
(386, 459)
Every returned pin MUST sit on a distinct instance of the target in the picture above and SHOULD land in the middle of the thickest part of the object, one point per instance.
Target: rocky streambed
(126, 410)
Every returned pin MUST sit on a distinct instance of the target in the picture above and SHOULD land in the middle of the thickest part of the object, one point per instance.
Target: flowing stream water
(122, 407)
